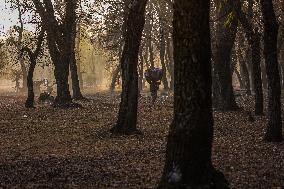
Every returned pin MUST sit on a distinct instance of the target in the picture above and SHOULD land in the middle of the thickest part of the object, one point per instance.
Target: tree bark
(127, 116)
(24, 74)
(115, 75)
(170, 64)
(245, 74)
(239, 78)
(264, 76)
(162, 55)
(59, 39)
(223, 95)
(32, 56)
(72, 26)
(256, 73)
(78, 60)
(188, 155)
(77, 95)
(141, 68)
(274, 127)
(253, 38)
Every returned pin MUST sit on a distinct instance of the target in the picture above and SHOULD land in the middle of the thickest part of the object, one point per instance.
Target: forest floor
(72, 148)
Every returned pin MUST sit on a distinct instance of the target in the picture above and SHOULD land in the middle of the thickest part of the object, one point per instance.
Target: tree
(75, 64)
(18, 43)
(110, 33)
(127, 116)
(188, 155)
(242, 57)
(61, 43)
(274, 127)
(253, 38)
(33, 55)
(3, 57)
(163, 48)
(226, 29)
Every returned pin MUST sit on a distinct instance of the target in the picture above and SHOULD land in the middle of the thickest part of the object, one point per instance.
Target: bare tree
(127, 116)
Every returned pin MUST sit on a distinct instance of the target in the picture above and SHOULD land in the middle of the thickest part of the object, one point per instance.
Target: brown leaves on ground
(59, 148)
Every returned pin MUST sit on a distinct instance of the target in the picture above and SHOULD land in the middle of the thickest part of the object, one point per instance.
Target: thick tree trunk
(274, 127)
(63, 98)
(61, 73)
(188, 156)
(59, 39)
(223, 96)
(127, 116)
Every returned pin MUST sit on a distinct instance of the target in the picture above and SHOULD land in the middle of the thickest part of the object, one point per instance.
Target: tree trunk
(256, 73)
(264, 76)
(61, 73)
(30, 99)
(239, 78)
(32, 56)
(63, 98)
(77, 95)
(115, 75)
(223, 96)
(245, 75)
(188, 155)
(274, 127)
(151, 52)
(24, 74)
(127, 116)
(243, 66)
(59, 39)
(141, 68)
(162, 56)
(149, 39)
(282, 72)
(78, 60)
(170, 63)
(253, 38)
